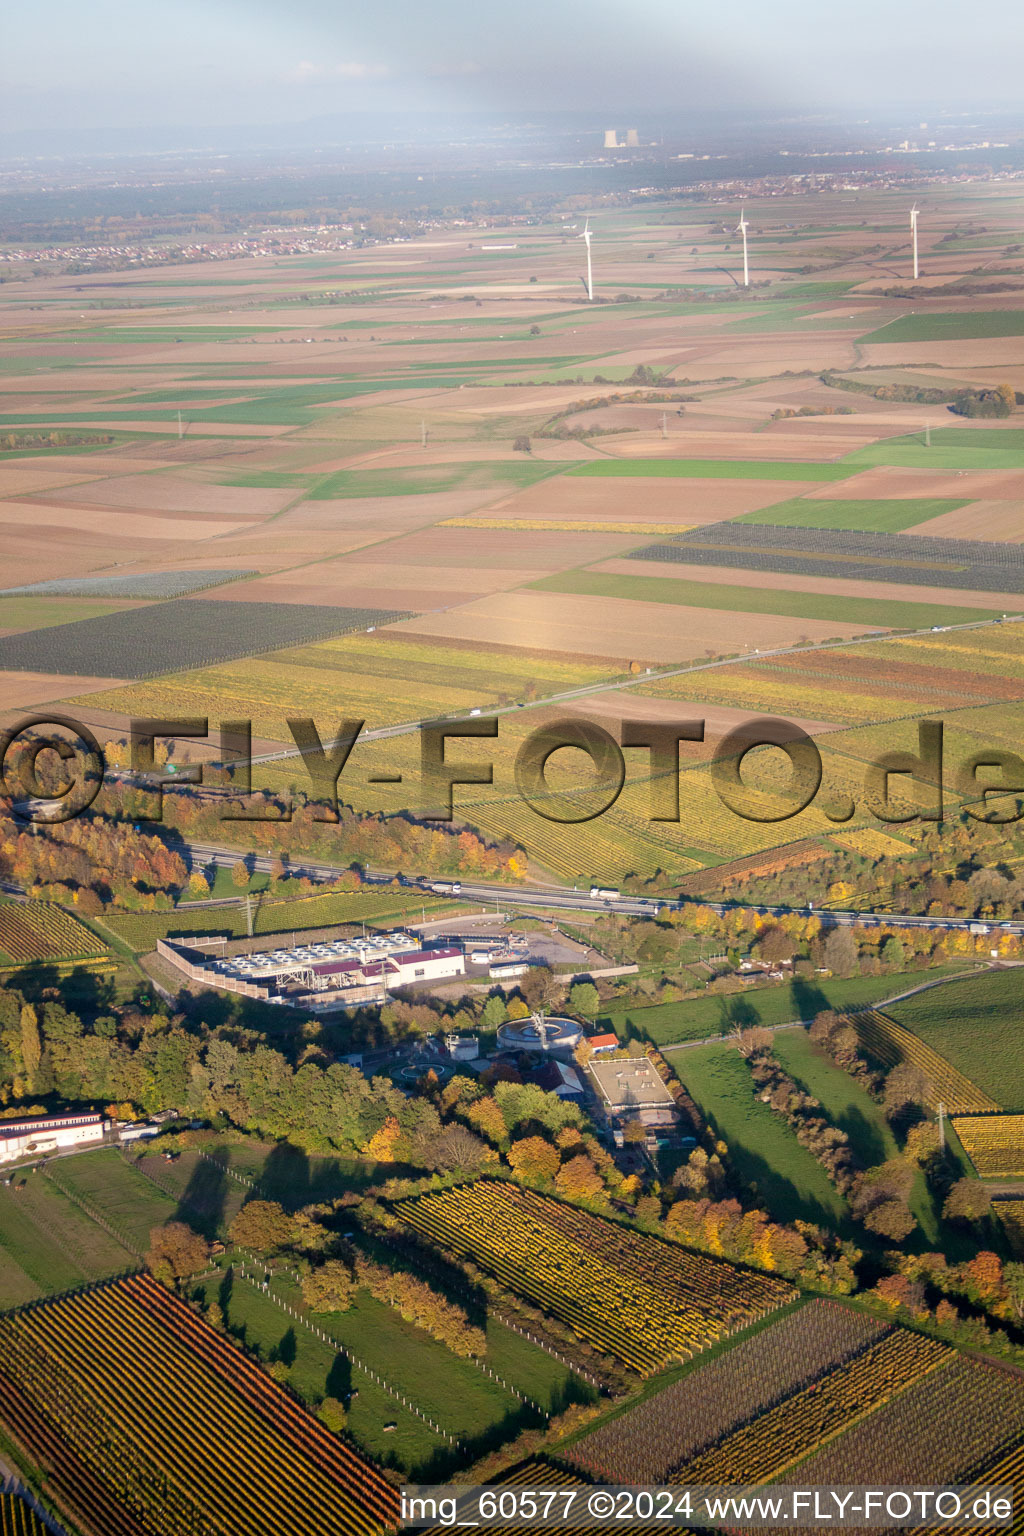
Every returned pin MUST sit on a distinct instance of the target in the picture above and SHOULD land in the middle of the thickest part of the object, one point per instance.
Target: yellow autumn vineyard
(633, 1296)
(758, 1452)
(994, 1143)
(214, 1446)
(891, 1044)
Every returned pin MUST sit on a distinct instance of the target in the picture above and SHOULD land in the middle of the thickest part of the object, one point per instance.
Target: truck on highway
(446, 887)
(603, 893)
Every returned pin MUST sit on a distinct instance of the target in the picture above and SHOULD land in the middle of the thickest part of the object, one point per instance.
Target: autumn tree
(488, 1119)
(332, 1415)
(584, 998)
(381, 1145)
(240, 874)
(31, 1045)
(1013, 1280)
(968, 1200)
(263, 1225)
(329, 1288)
(458, 1150)
(905, 1085)
(841, 952)
(534, 1158)
(578, 1179)
(890, 1218)
(176, 1251)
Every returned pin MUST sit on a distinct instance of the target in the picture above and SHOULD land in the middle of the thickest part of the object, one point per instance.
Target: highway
(558, 898)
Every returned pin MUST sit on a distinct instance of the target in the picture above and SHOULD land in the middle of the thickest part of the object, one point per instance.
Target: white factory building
(314, 975)
(29, 1138)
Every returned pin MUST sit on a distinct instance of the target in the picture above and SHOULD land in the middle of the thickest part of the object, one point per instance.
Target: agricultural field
(889, 1042)
(667, 1024)
(639, 1299)
(647, 1441)
(836, 553)
(153, 585)
(994, 1144)
(871, 613)
(111, 1190)
(455, 1394)
(193, 632)
(760, 1452)
(711, 469)
(974, 1024)
(38, 930)
(855, 516)
(950, 327)
(939, 1428)
(17, 1518)
(49, 1244)
(776, 1171)
(140, 930)
(90, 1359)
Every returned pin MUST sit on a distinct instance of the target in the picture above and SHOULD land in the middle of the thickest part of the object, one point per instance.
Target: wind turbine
(589, 284)
(742, 228)
(913, 233)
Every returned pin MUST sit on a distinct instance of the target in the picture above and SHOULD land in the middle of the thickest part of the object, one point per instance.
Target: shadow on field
(203, 1200)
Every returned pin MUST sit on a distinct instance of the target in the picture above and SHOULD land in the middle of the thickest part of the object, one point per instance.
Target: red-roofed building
(599, 1044)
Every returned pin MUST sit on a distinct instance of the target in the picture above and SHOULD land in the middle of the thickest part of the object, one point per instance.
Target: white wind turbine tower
(742, 228)
(586, 236)
(913, 234)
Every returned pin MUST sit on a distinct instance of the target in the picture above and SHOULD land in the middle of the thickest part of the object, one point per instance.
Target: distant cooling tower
(610, 139)
(632, 139)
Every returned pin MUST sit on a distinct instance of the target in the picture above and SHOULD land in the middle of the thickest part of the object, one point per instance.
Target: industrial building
(28, 1138)
(338, 973)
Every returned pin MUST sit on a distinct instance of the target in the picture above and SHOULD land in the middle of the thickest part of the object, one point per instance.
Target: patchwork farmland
(420, 477)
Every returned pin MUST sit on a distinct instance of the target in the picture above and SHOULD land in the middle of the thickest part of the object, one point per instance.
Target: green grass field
(48, 1244)
(777, 1171)
(878, 612)
(977, 326)
(954, 448)
(851, 1109)
(716, 1014)
(858, 516)
(712, 469)
(44, 612)
(453, 1392)
(347, 483)
(978, 1025)
(287, 1174)
(124, 1196)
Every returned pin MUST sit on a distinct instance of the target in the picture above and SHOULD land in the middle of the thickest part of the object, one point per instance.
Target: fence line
(328, 1338)
(93, 1214)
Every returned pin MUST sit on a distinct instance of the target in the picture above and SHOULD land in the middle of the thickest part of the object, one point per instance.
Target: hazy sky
(193, 62)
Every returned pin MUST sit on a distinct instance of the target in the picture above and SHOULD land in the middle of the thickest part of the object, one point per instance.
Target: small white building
(29, 1138)
(141, 1132)
(462, 1047)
